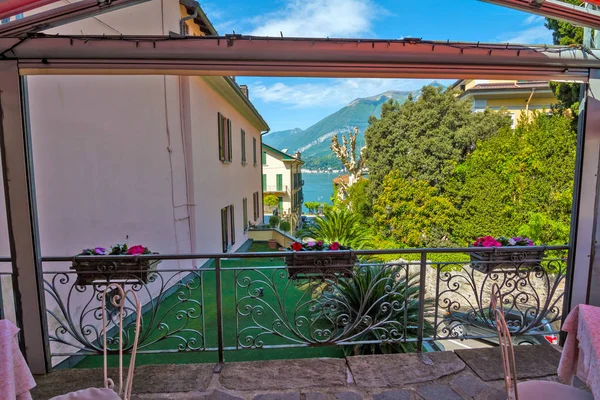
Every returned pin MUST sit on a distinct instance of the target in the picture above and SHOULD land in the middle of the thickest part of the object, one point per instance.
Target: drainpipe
(527, 104)
(185, 19)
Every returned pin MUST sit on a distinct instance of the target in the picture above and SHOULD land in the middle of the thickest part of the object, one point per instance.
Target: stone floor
(464, 374)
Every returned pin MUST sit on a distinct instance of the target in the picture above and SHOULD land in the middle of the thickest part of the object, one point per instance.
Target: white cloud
(533, 19)
(533, 35)
(318, 18)
(330, 92)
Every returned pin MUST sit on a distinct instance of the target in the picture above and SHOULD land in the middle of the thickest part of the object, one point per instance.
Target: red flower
(135, 250)
(334, 246)
(296, 246)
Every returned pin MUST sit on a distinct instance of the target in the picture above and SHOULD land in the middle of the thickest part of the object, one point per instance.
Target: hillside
(314, 141)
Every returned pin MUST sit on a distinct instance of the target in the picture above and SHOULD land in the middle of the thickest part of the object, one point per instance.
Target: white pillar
(17, 169)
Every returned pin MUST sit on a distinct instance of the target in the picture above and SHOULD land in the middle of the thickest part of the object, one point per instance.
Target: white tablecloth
(15, 378)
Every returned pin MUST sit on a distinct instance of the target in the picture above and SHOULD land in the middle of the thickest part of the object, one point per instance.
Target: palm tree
(338, 225)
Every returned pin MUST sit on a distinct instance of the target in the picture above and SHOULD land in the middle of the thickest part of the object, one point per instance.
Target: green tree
(413, 212)
(284, 226)
(312, 206)
(271, 200)
(425, 139)
(518, 182)
(338, 225)
(273, 221)
(566, 34)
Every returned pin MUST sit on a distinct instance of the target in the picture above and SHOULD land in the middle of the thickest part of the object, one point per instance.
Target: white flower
(512, 242)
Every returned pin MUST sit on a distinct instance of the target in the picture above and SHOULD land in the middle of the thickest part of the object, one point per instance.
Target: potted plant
(318, 259)
(511, 253)
(94, 271)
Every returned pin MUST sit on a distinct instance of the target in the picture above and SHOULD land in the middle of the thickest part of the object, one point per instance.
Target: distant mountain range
(314, 141)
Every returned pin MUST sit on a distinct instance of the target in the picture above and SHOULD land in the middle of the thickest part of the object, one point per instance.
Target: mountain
(314, 141)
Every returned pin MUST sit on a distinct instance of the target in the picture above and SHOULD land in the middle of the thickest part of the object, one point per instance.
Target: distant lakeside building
(282, 177)
(518, 98)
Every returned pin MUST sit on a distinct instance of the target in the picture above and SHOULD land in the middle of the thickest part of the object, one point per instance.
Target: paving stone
(284, 374)
(398, 370)
(492, 394)
(532, 361)
(393, 395)
(221, 395)
(348, 396)
(170, 396)
(469, 385)
(436, 391)
(318, 396)
(278, 396)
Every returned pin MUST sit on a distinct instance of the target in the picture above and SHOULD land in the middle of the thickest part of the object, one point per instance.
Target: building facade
(169, 162)
(517, 98)
(282, 177)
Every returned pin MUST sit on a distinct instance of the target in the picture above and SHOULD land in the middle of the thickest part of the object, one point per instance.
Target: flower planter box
(319, 264)
(518, 257)
(102, 271)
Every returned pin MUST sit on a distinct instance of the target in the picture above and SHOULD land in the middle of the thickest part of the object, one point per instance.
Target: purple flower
(320, 243)
(100, 251)
(311, 244)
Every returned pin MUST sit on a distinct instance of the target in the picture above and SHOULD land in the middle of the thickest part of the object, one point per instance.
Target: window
(264, 182)
(243, 147)
(279, 182)
(255, 204)
(254, 150)
(227, 227)
(245, 213)
(224, 138)
(264, 158)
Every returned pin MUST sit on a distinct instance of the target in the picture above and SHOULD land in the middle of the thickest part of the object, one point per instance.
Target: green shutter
(232, 221)
(264, 157)
(229, 142)
(243, 147)
(281, 203)
(224, 233)
(279, 182)
(264, 182)
(220, 133)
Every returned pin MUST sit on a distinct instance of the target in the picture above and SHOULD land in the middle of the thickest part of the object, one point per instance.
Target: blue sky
(287, 103)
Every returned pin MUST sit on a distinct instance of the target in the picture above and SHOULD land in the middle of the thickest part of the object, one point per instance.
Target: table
(581, 353)
(15, 378)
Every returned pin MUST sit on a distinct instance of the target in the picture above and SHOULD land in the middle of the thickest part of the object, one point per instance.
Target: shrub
(284, 226)
(271, 200)
(273, 221)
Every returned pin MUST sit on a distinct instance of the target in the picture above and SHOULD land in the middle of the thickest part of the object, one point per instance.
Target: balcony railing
(403, 299)
(276, 189)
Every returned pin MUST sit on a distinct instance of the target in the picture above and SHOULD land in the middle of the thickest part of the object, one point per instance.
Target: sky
(287, 103)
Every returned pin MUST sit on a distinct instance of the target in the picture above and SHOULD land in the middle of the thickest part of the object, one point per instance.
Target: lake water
(318, 187)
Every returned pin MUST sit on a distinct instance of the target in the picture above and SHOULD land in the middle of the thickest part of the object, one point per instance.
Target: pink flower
(136, 250)
(334, 246)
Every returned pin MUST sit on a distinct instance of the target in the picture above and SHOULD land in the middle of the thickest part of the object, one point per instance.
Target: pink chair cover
(15, 378)
(581, 353)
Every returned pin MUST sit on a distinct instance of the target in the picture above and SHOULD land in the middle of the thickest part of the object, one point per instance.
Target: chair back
(506, 345)
(118, 300)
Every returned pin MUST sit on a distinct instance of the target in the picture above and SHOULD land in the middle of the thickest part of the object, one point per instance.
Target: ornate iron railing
(390, 300)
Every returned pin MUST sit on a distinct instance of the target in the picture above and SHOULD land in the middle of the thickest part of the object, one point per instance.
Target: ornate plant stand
(517, 257)
(319, 264)
(90, 272)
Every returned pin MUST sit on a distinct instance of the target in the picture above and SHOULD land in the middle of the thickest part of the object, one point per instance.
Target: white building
(282, 177)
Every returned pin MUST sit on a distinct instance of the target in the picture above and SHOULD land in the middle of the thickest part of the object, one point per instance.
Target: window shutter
(279, 182)
(245, 213)
(264, 182)
(229, 142)
(264, 158)
(232, 221)
(243, 146)
(221, 149)
(254, 150)
(224, 233)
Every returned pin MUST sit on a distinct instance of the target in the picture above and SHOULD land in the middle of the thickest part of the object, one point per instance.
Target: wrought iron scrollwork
(75, 312)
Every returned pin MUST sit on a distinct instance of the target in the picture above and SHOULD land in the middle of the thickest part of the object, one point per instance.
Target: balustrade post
(219, 311)
(422, 279)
